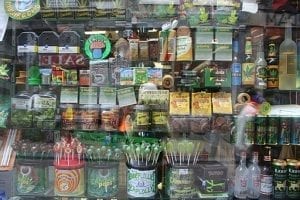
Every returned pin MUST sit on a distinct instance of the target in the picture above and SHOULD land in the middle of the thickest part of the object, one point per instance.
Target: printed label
(141, 183)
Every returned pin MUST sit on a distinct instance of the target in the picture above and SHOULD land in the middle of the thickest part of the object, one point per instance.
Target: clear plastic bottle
(241, 176)
(287, 61)
(253, 185)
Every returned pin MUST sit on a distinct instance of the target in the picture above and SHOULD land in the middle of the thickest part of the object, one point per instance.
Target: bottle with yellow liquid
(288, 61)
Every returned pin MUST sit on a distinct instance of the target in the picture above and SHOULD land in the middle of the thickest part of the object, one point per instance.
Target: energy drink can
(293, 181)
(261, 129)
(295, 133)
(279, 178)
(284, 130)
(272, 130)
(249, 130)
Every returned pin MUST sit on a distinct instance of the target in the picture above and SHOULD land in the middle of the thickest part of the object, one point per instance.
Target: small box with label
(211, 177)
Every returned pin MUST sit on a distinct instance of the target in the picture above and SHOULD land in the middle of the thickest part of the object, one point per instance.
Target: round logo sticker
(97, 47)
(21, 9)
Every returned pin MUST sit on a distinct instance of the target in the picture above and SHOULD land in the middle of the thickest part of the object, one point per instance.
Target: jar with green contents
(159, 117)
(141, 118)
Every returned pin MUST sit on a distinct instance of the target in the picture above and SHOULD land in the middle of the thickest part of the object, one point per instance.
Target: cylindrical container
(109, 117)
(179, 182)
(293, 181)
(68, 116)
(141, 182)
(102, 179)
(159, 118)
(88, 117)
(272, 130)
(141, 118)
(31, 177)
(69, 178)
(295, 133)
(261, 129)
(249, 130)
(279, 178)
(284, 130)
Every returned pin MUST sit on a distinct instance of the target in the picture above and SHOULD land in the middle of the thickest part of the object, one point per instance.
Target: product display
(149, 99)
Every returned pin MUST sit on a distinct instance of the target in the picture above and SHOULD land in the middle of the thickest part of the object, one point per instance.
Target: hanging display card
(88, 95)
(140, 75)
(126, 76)
(126, 96)
(221, 102)
(108, 95)
(48, 42)
(201, 104)
(69, 95)
(179, 103)
(69, 42)
(99, 72)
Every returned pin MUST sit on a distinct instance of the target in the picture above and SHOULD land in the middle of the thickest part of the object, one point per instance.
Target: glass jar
(109, 117)
(68, 116)
(88, 117)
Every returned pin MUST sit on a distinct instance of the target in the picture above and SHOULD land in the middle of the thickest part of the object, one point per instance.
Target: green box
(217, 77)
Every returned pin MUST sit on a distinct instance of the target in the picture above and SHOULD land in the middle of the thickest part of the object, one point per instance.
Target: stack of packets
(192, 112)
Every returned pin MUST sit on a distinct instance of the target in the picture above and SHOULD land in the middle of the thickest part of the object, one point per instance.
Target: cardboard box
(211, 177)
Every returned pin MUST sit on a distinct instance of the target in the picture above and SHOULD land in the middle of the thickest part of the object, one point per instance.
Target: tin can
(279, 177)
(272, 130)
(69, 180)
(31, 177)
(249, 130)
(102, 179)
(293, 181)
(141, 182)
(284, 130)
(261, 129)
(295, 133)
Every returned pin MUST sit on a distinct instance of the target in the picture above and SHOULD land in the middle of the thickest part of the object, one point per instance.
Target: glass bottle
(248, 66)
(240, 179)
(287, 61)
(253, 178)
(236, 68)
(272, 64)
(260, 69)
(266, 176)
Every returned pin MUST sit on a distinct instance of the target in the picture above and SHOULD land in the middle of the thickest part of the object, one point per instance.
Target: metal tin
(284, 130)
(272, 130)
(249, 130)
(279, 177)
(293, 181)
(261, 129)
(295, 133)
